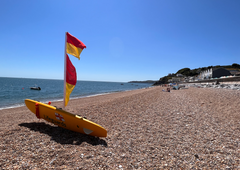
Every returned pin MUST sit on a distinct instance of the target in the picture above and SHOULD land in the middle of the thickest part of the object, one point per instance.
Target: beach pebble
(194, 128)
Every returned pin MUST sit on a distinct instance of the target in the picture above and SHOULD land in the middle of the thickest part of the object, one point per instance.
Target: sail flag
(74, 46)
(71, 79)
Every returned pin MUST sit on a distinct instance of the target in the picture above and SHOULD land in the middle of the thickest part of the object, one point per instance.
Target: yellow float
(65, 119)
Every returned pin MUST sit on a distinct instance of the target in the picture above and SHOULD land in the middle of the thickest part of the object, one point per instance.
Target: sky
(126, 39)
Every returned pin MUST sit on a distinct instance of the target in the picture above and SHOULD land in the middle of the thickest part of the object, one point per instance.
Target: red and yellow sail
(74, 46)
(71, 79)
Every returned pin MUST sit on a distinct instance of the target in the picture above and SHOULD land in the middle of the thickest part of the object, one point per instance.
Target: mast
(65, 66)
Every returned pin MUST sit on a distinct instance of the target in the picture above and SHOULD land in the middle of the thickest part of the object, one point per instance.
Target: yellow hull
(65, 119)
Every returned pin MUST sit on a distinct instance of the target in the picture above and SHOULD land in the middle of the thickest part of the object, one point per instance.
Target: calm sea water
(13, 91)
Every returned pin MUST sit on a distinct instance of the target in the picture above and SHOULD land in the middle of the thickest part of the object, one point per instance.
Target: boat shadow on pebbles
(63, 136)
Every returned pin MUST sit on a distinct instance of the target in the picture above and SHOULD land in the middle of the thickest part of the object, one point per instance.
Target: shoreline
(147, 128)
(12, 106)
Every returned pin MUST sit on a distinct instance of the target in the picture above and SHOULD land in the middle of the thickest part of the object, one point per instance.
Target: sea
(13, 91)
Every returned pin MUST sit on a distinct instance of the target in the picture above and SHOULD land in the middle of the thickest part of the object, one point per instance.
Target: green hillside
(194, 72)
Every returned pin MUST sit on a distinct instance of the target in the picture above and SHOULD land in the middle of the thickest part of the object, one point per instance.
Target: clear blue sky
(126, 39)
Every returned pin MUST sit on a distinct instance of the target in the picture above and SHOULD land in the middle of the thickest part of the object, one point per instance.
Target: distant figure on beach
(168, 89)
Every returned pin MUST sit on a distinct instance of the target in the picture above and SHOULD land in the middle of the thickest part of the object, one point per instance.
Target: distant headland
(147, 81)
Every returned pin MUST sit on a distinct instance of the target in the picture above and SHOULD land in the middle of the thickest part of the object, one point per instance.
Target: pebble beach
(194, 128)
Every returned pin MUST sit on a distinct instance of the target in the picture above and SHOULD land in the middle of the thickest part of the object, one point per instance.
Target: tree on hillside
(171, 75)
(188, 72)
(235, 65)
(184, 71)
(164, 80)
(210, 67)
(193, 72)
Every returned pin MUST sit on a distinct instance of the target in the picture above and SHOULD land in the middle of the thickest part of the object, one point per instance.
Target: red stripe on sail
(74, 41)
(71, 75)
